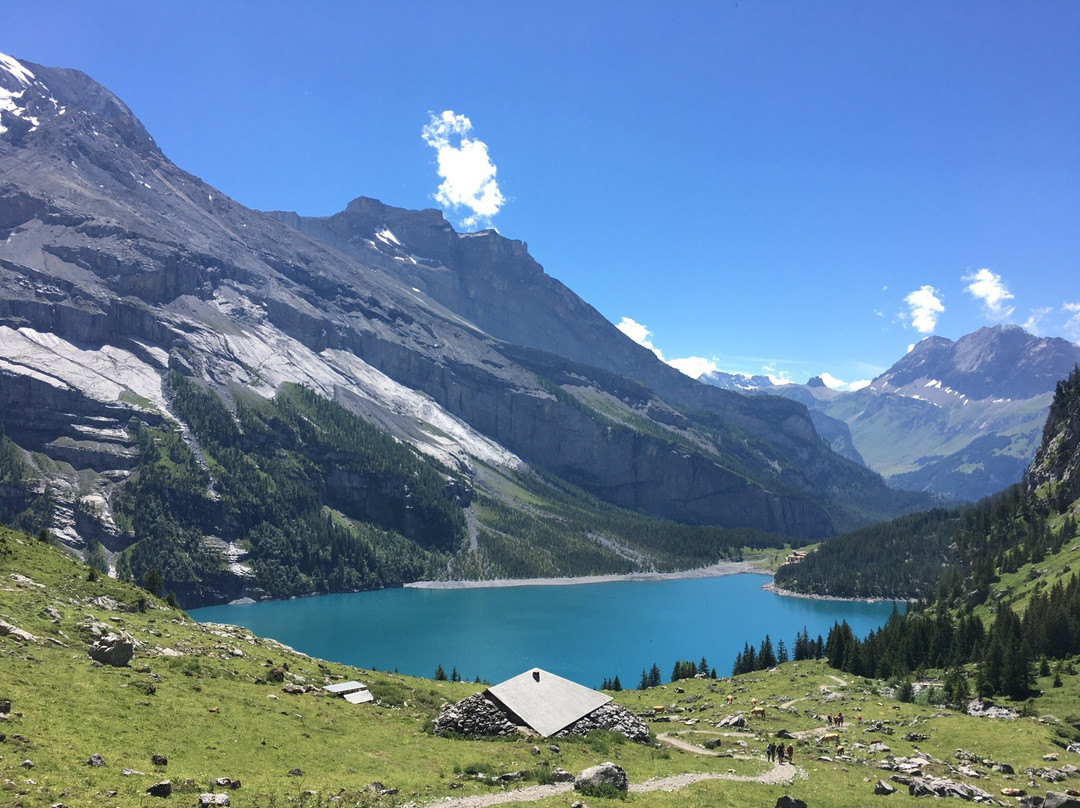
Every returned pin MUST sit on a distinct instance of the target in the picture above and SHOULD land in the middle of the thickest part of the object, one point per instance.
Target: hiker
(780, 753)
(790, 752)
(839, 719)
(770, 752)
(830, 719)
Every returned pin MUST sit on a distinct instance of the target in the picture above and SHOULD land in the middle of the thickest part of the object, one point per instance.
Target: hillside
(250, 710)
(120, 273)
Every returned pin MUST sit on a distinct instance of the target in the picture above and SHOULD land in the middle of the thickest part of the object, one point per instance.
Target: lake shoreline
(776, 590)
(712, 571)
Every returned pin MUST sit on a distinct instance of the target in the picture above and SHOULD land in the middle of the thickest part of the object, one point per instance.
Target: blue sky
(792, 188)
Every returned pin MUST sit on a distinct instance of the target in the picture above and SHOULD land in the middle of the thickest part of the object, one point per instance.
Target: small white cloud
(1072, 325)
(924, 307)
(1033, 323)
(987, 287)
(466, 169)
(834, 383)
(694, 366)
(639, 334)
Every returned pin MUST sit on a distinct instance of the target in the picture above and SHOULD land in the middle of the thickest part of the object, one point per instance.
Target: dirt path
(779, 773)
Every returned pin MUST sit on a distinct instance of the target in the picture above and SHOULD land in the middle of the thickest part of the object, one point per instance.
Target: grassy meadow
(211, 700)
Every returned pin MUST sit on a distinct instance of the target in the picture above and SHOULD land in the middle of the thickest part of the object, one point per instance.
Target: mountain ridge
(120, 268)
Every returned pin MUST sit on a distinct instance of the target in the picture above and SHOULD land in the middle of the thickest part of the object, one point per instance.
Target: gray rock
(162, 789)
(297, 772)
(789, 802)
(560, 775)
(213, 799)
(1055, 799)
(95, 760)
(115, 649)
(884, 789)
(225, 782)
(159, 760)
(27, 764)
(604, 774)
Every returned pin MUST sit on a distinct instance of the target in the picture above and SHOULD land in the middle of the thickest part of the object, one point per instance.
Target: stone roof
(545, 702)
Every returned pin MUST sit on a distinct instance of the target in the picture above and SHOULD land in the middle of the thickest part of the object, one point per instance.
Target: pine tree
(440, 674)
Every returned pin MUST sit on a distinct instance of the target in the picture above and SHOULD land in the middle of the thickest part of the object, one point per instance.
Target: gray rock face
(939, 787)
(114, 649)
(601, 775)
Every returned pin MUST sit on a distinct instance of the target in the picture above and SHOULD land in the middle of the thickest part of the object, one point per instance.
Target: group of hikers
(838, 719)
(777, 752)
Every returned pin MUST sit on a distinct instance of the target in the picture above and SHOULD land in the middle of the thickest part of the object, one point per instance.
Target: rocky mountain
(130, 291)
(959, 419)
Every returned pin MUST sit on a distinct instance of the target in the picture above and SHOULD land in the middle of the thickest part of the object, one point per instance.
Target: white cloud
(984, 285)
(638, 333)
(834, 383)
(694, 366)
(1033, 323)
(466, 169)
(1072, 325)
(924, 306)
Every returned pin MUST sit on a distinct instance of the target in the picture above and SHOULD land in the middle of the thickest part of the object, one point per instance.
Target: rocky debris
(162, 789)
(611, 717)
(784, 801)
(108, 604)
(7, 629)
(883, 789)
(1051, 775)
(52, 613)
(915, 737)
(115, 649)
(297, 772)
(984, 709)
(736, 720)
(879, 726)
(939, 787)
(132, 773)
(561, 775)
(476, 716)
(601, 775)
(5, 706)
(159, 760)
(1074, 748)
(225, 782)
(95, 760)
(22, 580)
(1055, 799)
(213, 799)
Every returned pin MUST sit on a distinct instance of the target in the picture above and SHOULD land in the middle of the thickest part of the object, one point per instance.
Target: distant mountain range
(959, 419)
(130, 290)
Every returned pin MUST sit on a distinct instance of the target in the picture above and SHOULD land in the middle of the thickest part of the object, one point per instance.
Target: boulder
(159, 760)
(882, 788)
(213, 799)
(1055, 799)
(114, 649)
(162, 789)
(95, 760)
(938, 787)
(560, 775)
(789, 802)
(599, 776)
(225, 782)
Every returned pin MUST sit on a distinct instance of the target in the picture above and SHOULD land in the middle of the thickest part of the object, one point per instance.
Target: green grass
(214, 711)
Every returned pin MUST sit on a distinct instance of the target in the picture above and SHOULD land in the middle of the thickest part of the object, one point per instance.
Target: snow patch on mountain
(16, 69)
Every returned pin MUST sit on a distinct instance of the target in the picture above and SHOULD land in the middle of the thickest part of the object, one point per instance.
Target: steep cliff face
(117, 267)
(1057, 462)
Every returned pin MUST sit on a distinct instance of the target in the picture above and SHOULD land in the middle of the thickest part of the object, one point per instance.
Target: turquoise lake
(585, 632)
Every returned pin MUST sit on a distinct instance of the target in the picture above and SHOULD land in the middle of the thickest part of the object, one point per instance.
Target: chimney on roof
(536, 674)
